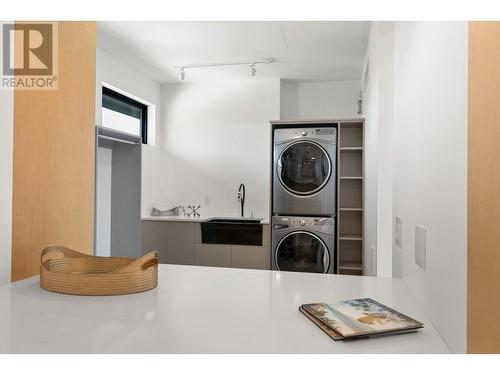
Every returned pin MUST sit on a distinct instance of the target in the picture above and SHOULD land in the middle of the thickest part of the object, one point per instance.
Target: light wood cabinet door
(54, 156)
(483, 264)
(154, 238)
(257, 257)
(180, 243)
(213, 255)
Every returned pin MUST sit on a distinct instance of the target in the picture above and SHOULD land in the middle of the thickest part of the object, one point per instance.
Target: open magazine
(357, 318)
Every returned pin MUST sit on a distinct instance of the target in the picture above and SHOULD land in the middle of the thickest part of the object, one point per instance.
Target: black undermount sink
(232, 231)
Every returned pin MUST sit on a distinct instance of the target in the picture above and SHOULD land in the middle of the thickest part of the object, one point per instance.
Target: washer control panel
(328, 134)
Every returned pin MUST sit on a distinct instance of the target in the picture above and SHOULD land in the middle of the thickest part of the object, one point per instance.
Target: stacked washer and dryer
(304, 185)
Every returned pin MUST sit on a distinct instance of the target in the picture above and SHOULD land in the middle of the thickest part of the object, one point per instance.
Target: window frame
(106, 91)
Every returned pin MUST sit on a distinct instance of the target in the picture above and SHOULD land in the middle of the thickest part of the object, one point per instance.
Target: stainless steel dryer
(304, 171)
(303, 244)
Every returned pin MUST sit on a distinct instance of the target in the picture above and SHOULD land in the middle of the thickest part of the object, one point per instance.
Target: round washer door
(304, 168)
(302, 251)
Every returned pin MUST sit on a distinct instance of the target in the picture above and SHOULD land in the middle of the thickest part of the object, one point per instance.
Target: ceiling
(307, 51)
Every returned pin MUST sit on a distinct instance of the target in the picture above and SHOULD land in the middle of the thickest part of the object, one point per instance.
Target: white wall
(121, 75)
(385, 157)
(416, 162)
(430, 174)
(370, 113)
(6, 154)
(319, 100)
(378, 156)
(216, 136)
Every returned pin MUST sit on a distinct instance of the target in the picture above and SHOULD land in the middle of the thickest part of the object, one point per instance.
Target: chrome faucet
(241, 198)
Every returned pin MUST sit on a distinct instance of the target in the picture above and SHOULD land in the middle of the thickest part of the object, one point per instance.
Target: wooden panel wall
(483, 330)
(54, 152)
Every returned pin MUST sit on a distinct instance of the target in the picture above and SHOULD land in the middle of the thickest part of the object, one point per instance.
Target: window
(119, 112)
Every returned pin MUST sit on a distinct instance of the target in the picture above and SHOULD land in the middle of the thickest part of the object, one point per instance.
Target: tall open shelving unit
(350, 198)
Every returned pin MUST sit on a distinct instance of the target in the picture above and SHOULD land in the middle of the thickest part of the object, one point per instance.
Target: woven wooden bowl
(64, 270)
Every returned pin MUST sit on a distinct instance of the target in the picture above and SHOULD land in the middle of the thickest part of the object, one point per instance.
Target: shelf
(350, 253)
(351, 148)
(350, 223)
(350, 199)
(350, 272)
(351, 124)
(350, 235)
(351, 193)
(351, 135)
(354, 266)
(350, 238)
(351, 163)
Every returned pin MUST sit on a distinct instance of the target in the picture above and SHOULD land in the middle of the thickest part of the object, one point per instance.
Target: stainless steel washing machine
(303, 244)
(304, 171)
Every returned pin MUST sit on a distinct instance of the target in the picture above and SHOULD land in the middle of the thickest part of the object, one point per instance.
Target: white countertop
(199, 219)
(203, 310)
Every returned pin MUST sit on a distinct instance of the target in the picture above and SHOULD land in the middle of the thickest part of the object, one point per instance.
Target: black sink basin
(232, 232)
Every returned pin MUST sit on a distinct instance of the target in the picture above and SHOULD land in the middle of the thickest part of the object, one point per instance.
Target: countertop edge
(200, 219)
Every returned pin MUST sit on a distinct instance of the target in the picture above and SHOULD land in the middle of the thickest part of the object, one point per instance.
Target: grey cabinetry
(236, 256)
(212, 255)
(215, 255)
(173, 240)
(257, 257)
(180, 243)
(154, 237)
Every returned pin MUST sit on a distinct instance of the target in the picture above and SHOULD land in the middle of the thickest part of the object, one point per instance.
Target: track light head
(252, 70)
(269, 60)
(182, 74)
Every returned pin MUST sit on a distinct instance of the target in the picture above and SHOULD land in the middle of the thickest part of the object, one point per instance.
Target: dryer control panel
(320, 224)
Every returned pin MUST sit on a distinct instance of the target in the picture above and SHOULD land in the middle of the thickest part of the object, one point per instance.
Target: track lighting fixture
(251, 64)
